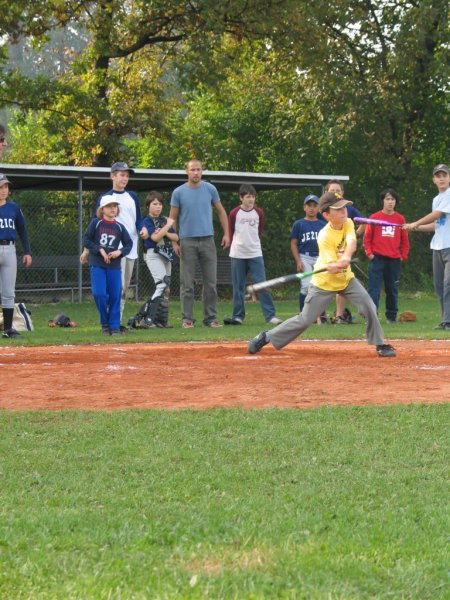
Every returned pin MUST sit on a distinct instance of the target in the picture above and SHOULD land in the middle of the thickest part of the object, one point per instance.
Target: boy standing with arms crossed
(337, 243)
(438, 220)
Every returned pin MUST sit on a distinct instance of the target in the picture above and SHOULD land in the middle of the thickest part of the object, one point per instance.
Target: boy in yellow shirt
(337, 243)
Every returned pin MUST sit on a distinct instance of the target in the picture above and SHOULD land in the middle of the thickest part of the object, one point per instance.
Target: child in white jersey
(246, 224)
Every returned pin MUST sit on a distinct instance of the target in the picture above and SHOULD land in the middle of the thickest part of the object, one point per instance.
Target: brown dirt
(202, 375)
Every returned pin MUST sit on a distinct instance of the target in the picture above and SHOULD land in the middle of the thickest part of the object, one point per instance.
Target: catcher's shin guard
(150, 317)
(162, 316)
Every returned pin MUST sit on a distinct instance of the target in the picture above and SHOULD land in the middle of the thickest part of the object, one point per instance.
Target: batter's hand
(27, 260)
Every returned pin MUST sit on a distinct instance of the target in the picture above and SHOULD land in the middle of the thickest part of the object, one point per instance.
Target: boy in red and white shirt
(386, 247)
(246, 224)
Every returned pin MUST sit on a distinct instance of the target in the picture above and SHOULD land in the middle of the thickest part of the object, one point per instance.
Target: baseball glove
(61, 320)
(407, 316)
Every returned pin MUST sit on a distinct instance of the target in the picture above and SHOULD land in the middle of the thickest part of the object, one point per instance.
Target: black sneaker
(257, 343)
(105, 330)
(116, 332)
(386, 350)
(232, 321)
(11, 333)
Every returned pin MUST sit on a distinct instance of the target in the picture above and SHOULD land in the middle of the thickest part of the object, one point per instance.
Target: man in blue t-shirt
(191, 209)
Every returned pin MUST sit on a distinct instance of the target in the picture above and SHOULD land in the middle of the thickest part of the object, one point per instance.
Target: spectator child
(438, 220)
(157, 232)
(304, 246)
(386, 247)
(108, 242)
(12, 224)
(246, 225)
(130, 217)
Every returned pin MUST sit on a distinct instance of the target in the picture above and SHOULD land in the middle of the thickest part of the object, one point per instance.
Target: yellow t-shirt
(332, 243)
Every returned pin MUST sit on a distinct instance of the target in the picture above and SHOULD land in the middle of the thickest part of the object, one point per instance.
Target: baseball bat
(257, 287)
(376, 222)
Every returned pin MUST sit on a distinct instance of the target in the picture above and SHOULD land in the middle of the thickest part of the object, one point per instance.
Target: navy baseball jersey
(12, 222)
(108, 235)
(306, 232)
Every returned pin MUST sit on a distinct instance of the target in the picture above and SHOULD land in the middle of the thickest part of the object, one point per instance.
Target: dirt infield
(203, 375)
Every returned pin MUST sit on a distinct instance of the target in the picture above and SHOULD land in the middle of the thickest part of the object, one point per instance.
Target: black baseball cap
(441, 167)
(3, 179)
(121, 166)
(311, 198)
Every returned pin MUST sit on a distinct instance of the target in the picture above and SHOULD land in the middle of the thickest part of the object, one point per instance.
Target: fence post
(80, 237)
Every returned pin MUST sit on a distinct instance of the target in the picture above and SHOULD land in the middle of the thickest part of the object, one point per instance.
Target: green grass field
(88, 330)
(329, 504)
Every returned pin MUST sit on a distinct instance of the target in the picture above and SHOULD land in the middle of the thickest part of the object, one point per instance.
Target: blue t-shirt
(195, 206)
(306, 232)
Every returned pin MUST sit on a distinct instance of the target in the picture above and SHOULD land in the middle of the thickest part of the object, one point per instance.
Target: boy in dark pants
(386, 247)
(337, 243)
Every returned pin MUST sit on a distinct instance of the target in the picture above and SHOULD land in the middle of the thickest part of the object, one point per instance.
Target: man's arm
(224, 222)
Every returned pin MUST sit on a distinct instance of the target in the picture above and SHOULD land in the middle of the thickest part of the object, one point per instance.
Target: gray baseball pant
(316, 302)
(8, 274)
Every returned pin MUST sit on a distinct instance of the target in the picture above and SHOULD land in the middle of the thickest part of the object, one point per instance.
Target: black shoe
(386, 350)
(257, 343)
(116, 332)
(232, 321)
(11, 333)
(105, 330)
(123, 329)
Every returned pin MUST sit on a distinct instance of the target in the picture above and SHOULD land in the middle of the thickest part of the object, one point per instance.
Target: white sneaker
(275, 321)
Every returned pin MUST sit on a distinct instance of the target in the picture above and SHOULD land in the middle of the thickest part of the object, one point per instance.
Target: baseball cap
(3, 179)
(106, 200)
(332, 200)
(441, 167)
(121, 166)
(311, 198)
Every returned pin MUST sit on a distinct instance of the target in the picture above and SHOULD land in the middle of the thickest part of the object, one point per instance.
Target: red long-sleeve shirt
(385, 240)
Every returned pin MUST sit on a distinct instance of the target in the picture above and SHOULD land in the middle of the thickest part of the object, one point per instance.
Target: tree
(118, 76)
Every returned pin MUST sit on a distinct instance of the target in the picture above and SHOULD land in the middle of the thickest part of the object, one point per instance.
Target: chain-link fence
(56, 222)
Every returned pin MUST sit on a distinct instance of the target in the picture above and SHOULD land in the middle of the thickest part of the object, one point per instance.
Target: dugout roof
(49, 177)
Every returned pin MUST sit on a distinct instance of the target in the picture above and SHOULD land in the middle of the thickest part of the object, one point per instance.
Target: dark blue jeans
(239, 269)
(387, 270)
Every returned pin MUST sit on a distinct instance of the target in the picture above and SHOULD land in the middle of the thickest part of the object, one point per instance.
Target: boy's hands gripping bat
(376, 222)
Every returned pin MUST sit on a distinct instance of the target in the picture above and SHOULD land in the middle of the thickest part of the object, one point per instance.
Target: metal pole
(80, 237)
